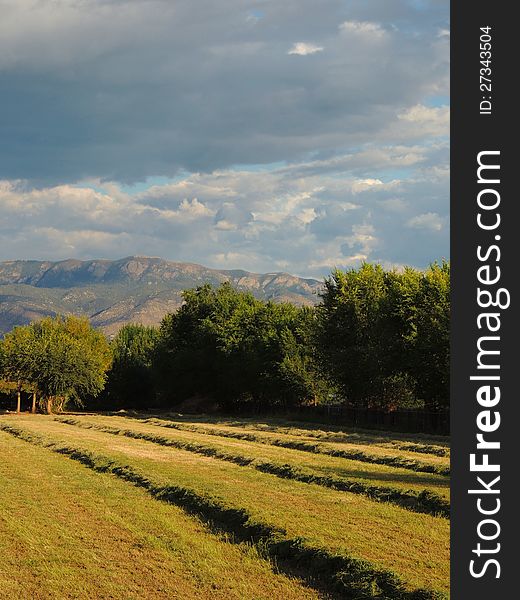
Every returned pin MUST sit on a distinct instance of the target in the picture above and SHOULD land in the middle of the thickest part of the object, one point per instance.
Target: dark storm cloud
(124, 90)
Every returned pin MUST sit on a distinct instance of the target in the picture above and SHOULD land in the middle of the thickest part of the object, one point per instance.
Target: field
(128, 506)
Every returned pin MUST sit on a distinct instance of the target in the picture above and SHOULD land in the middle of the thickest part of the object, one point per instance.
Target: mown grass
(414, 546)
(355, 578)
(321, 464)
(67, 532)
(253, 455)
(279, 424)
(360, 452)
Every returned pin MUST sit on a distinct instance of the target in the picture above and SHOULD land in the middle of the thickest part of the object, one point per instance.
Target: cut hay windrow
(344, 436)
(315, 448)
(423, 449)
(351, 577)
(424, 501)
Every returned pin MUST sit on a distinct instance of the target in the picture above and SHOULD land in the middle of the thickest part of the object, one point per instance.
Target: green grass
(321, 463)
(362, 452)
(317, 430)
(413, 546)
(288, 464)
(67, 532)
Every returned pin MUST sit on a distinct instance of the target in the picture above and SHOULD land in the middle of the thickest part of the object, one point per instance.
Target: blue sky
(270, 136)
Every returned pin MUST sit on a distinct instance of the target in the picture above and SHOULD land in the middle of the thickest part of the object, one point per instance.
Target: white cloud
(305, 220)
(429, 220)
(426, 114)
(307, 215)
(303, 49)
(362, 185)
(366, 29)
(363, 238)
(194, 208)
(224, 225)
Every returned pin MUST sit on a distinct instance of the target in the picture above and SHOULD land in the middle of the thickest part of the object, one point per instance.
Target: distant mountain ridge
(135, 289)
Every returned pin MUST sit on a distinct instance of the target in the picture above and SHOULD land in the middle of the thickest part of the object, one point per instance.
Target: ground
(171, 506)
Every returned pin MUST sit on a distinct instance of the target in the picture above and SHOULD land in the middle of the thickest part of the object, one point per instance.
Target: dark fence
(409, 421)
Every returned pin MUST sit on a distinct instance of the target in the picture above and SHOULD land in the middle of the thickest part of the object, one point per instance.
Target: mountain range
(135, 289)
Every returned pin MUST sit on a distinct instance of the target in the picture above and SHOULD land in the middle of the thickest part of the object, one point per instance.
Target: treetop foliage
(228, 345)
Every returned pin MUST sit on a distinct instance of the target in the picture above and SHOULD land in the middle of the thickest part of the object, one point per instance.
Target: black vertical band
(483, 127)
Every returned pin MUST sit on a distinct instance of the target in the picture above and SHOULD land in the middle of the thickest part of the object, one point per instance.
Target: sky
(295, 136)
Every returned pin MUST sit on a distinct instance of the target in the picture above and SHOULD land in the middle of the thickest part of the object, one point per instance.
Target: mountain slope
(132, 289)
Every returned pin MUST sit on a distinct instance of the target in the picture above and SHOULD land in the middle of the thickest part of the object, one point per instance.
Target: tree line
(377, 339)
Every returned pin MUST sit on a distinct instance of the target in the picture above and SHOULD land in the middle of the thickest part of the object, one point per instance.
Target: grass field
(97, 506)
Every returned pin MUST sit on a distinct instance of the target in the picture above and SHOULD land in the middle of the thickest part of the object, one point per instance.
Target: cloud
(231, 216)
(438, 117)
(361, 185)
(194, 208)
(303, 49)
(362, 241)
(429, 220)
(136, 127)
(305, 220)
(123, 90)
(372, 31)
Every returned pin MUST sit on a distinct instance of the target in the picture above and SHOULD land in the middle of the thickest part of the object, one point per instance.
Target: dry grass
(415, 546)
(318, 464)
(67, 532)
(375, 445)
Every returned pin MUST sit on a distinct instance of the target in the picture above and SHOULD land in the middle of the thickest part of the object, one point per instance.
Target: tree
(197, 350)
(70, 360)
(236, 349)
(431, 364)
(17, 360)
(354, 341)
(299, 367)
(130, 379)
(384, 335)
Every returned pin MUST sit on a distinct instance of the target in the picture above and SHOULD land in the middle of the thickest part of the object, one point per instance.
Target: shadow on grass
(268, 422)
(305, 446)
(424, 501)
(336, 575)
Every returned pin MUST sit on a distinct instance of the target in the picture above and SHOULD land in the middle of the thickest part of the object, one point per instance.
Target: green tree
(69, 360)
(354, 332)
(229, 346)
(298, 365)
(130, 381)
(195, 354)
(384, 335)
(431, 352)
(17, 361)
